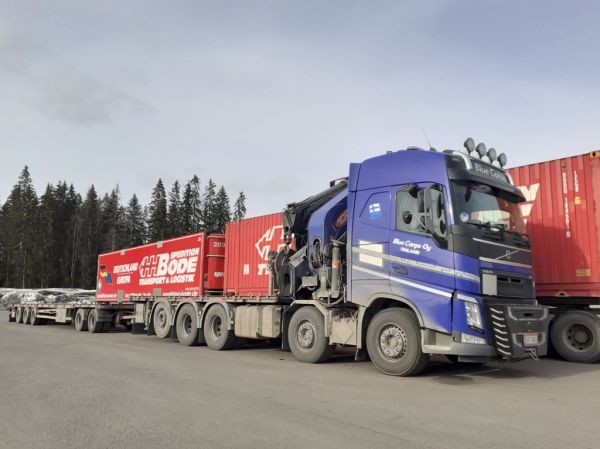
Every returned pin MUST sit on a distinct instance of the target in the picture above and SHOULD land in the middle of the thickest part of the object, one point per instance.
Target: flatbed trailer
(39, 313)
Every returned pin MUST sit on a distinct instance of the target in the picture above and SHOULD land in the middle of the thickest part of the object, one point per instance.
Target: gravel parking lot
(63, 389)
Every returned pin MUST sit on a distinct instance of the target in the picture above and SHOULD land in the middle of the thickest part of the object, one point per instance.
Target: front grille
(510, 285)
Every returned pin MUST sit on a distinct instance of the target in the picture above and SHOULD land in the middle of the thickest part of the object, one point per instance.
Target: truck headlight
(473, 314)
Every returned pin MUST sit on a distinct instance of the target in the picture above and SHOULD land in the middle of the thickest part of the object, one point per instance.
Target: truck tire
(576, 336)
(306, 336)
(94, 326)
(161, 319)
(187, 325)
(19, 315)
(394, 343)
(81, 317)
(26, 313)
(33, 319)
(216, 334)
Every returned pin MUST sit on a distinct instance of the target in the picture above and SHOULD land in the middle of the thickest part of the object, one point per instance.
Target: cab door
(421, 268)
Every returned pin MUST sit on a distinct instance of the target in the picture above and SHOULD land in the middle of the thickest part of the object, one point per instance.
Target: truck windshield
(484, 206)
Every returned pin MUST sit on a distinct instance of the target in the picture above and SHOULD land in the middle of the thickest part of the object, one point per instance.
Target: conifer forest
(53, 239)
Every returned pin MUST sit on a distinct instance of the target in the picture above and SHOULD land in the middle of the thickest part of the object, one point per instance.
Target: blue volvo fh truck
(414, 253)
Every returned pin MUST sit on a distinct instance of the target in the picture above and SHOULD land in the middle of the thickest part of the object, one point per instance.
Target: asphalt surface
(64, 389)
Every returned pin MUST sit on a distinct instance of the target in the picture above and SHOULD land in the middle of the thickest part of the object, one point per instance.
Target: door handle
(400, 270)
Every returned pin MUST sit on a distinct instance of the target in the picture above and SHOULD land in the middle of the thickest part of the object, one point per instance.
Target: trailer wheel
(81, 317)
(576, 336)
(94, 326)
(19, 315)
(187, 326)
(216, 334)
(26, 313)
(162, 318)
(33, 319)
(394, 343)
(306, 336)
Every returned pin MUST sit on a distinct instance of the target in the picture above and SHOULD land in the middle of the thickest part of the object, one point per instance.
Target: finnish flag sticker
(375, 211)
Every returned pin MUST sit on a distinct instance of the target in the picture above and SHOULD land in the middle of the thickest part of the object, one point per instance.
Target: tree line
(54, 240)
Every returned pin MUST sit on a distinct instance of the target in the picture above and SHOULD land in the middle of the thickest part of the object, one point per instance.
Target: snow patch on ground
(10, 296)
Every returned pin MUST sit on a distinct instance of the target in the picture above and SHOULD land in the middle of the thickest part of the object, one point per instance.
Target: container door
(421, 269)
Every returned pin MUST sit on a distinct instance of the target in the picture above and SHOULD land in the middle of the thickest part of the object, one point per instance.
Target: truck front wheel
(394, 343)
(576, 336)
(306, 336)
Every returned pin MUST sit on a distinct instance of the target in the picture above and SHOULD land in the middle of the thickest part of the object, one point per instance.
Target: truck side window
(375, 210)
(407, 211)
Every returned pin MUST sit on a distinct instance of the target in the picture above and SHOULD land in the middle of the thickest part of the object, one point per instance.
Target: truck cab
(424, 252)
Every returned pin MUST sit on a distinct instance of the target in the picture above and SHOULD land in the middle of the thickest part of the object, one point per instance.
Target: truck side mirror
(434, 213)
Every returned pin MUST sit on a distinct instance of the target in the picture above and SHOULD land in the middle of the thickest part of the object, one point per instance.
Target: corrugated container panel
(173, 267)
(562, 215)
(248, 244)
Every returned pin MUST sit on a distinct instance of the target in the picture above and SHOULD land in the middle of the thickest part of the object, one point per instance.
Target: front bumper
(511, 325)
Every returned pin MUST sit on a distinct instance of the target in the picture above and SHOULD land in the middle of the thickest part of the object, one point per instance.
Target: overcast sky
(276, 98)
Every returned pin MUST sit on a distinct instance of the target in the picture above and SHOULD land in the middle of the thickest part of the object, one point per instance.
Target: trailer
(394, 261)
(562, 214)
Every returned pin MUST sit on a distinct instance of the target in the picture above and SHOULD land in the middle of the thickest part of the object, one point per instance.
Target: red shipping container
(248, 244)
(171, 268)
(562, 214)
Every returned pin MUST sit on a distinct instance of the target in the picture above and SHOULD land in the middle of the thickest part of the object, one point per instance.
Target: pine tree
(174, 214)
(135, 223)
(89, 238)
(111, 221)
(192, 207)
(223, 214)
(157, 221)
(209, 212)
(239, 208)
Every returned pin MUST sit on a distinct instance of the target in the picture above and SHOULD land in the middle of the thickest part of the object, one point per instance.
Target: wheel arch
(380, 302)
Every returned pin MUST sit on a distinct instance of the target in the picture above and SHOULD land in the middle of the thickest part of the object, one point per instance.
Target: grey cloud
(83, 100)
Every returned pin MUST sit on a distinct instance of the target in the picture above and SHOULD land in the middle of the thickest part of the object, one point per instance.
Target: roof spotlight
(492, 154)
(481, 149)
(469, 145)
(502, 159)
